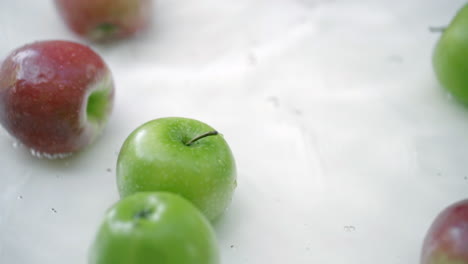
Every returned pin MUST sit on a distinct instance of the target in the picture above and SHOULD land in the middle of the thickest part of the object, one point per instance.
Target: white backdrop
(346, 146)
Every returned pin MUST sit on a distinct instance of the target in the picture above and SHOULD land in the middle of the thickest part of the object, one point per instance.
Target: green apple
(450, 59)
(158, 227)
(179, 155)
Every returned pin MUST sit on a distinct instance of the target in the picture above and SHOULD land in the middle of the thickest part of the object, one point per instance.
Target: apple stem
(143, 214)
(437, 29)
(193, 140)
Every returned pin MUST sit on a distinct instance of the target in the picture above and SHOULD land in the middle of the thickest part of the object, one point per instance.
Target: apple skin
(102, 20)
(55, 96)
(155, 157)
(161, 228)
(449, 60)
(447, 239)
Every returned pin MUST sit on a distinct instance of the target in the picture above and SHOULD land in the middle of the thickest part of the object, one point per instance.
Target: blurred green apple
(450, 59)
(179, 155)
(161, 228)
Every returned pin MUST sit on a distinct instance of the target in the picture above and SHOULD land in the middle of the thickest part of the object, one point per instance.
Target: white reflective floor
(346, 146)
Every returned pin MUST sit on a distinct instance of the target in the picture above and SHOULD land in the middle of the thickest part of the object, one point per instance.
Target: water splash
(55, 156)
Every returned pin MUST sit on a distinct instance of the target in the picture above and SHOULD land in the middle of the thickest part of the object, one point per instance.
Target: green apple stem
(437, 29)
(143, 214)
(193, 140)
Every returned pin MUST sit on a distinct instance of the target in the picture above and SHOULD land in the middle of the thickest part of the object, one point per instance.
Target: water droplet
(36, 154)
(41, 155)
(53, 210)
(90, 71)
(108, 170)
(252, 58)
(15, 144)
(297, 112)
(20, 197)
(395, 58)
(56, 156)
(349, 228)
(274, 101)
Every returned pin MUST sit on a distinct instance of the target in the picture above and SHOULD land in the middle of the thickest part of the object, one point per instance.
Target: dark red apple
(55, 96)
(101, 20)
(447, 239)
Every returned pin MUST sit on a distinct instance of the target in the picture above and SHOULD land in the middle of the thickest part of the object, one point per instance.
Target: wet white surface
(346, 146)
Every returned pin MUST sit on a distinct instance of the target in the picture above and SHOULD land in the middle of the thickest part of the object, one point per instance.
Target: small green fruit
(182, 156)
(450, 59)
(161, 228)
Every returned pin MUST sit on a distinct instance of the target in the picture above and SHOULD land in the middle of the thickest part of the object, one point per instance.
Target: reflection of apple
(55, 96)
(447, 239)
(101, 20)
(179, 155)
(450, 59)
(154, 228)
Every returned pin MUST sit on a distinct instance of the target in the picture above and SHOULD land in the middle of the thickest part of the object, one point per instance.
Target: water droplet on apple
(40, 155)
(90, 71)
(57, 156)
(35, 153)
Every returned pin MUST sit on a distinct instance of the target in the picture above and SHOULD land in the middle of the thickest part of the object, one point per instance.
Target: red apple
(55, 96)
(101, 20)
(447, 239)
